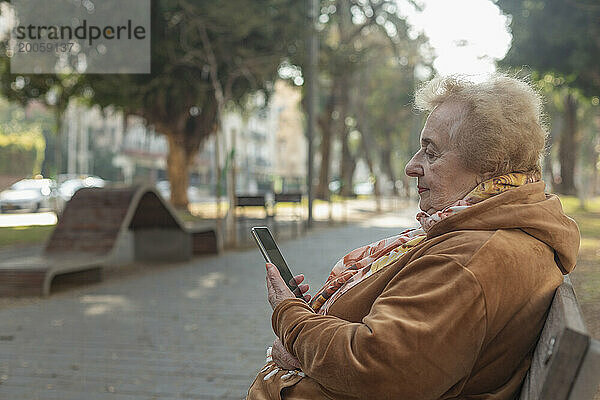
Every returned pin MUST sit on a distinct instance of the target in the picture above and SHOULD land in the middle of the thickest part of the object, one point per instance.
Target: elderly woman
(453, 309)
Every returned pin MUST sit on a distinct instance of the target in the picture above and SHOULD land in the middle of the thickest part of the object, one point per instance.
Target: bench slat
(288, 197)
(250, 201)
(560, 351)
(588, 377)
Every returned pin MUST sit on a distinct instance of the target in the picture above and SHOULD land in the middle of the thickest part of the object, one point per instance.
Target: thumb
(272, 271)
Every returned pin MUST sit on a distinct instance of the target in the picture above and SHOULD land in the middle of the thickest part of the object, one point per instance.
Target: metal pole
(311, 93)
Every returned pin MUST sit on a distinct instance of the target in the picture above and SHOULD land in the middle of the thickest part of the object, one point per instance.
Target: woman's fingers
(303, 288)
(307, 297)
(299, 279)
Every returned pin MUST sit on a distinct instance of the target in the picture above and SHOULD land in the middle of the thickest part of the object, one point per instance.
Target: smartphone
(272, 255)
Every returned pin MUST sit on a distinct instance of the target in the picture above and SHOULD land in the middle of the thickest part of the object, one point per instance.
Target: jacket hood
(527, 208)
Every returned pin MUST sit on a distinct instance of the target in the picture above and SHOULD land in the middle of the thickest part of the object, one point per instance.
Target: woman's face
(441, 177)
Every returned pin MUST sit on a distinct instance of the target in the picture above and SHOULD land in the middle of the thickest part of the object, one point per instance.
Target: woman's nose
(413, 168)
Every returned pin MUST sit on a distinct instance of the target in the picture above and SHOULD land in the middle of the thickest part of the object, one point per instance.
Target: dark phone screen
(276, 258)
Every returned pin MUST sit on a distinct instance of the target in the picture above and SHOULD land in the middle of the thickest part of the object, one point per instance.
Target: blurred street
(195, 330)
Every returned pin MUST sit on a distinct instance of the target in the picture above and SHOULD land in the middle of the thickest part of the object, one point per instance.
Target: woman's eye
(429, 155)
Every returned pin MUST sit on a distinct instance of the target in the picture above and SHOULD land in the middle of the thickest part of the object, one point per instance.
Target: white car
(69, 187)
(31, 195)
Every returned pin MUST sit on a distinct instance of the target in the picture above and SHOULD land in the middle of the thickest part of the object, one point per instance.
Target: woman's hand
(277, 290)
(282, 357)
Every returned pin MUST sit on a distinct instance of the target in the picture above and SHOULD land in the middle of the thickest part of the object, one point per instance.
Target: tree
(54, 91)
(346, 42)
(205, 54)
(559, 37)
(389, 83)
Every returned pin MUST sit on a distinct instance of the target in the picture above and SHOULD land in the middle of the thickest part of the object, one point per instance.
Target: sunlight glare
(467, 36)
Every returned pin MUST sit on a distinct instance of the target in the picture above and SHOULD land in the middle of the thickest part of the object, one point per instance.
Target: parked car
(31, 195)
(69, 187)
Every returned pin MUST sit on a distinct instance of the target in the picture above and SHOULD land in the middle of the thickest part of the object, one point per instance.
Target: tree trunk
(567, 148)
(348, 161)
(231, 175)
(548, 170)
(367, 147)
(348, 165)
(185, 135)
(58, 124)
(325, 123)
(322, 191)
(386, 162)
(548, 163)
(177, 168)
(595, 176)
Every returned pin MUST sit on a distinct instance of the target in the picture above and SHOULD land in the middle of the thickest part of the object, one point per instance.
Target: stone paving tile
(193, 330)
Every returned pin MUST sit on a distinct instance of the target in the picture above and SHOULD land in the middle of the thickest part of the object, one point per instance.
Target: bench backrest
(566, 361)
(244, 201)
(95, 218)
(91, 221)
(291, 197)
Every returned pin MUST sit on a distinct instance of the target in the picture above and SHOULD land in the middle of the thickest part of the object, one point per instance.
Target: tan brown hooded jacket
(457, 317)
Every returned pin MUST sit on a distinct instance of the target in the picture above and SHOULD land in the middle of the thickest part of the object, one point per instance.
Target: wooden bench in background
(270, 210)
(243, 201)
(294, 198)
(241, 204)
(566, 362)
(106, 226)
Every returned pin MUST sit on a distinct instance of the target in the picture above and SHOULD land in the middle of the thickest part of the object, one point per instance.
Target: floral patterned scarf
(367, 260)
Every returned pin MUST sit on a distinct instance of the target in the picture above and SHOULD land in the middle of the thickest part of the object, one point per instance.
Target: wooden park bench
(244, 201)
(105, 226)
(566, 361)
(294, 198)
(270, 209)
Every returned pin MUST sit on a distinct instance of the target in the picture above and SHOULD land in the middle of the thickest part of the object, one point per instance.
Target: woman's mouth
(421, 189)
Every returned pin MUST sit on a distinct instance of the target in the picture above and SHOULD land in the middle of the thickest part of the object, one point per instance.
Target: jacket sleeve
(419, 340)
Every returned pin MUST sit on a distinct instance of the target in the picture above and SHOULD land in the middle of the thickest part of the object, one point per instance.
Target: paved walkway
(194, 330)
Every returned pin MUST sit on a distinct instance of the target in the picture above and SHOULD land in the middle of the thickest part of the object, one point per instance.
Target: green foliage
(22, 143)
(588, 220)
(367, 62)
(205, 54)
(248, 47)
(22, 152)
(558, 39)
(199, 49)
(556, 36)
